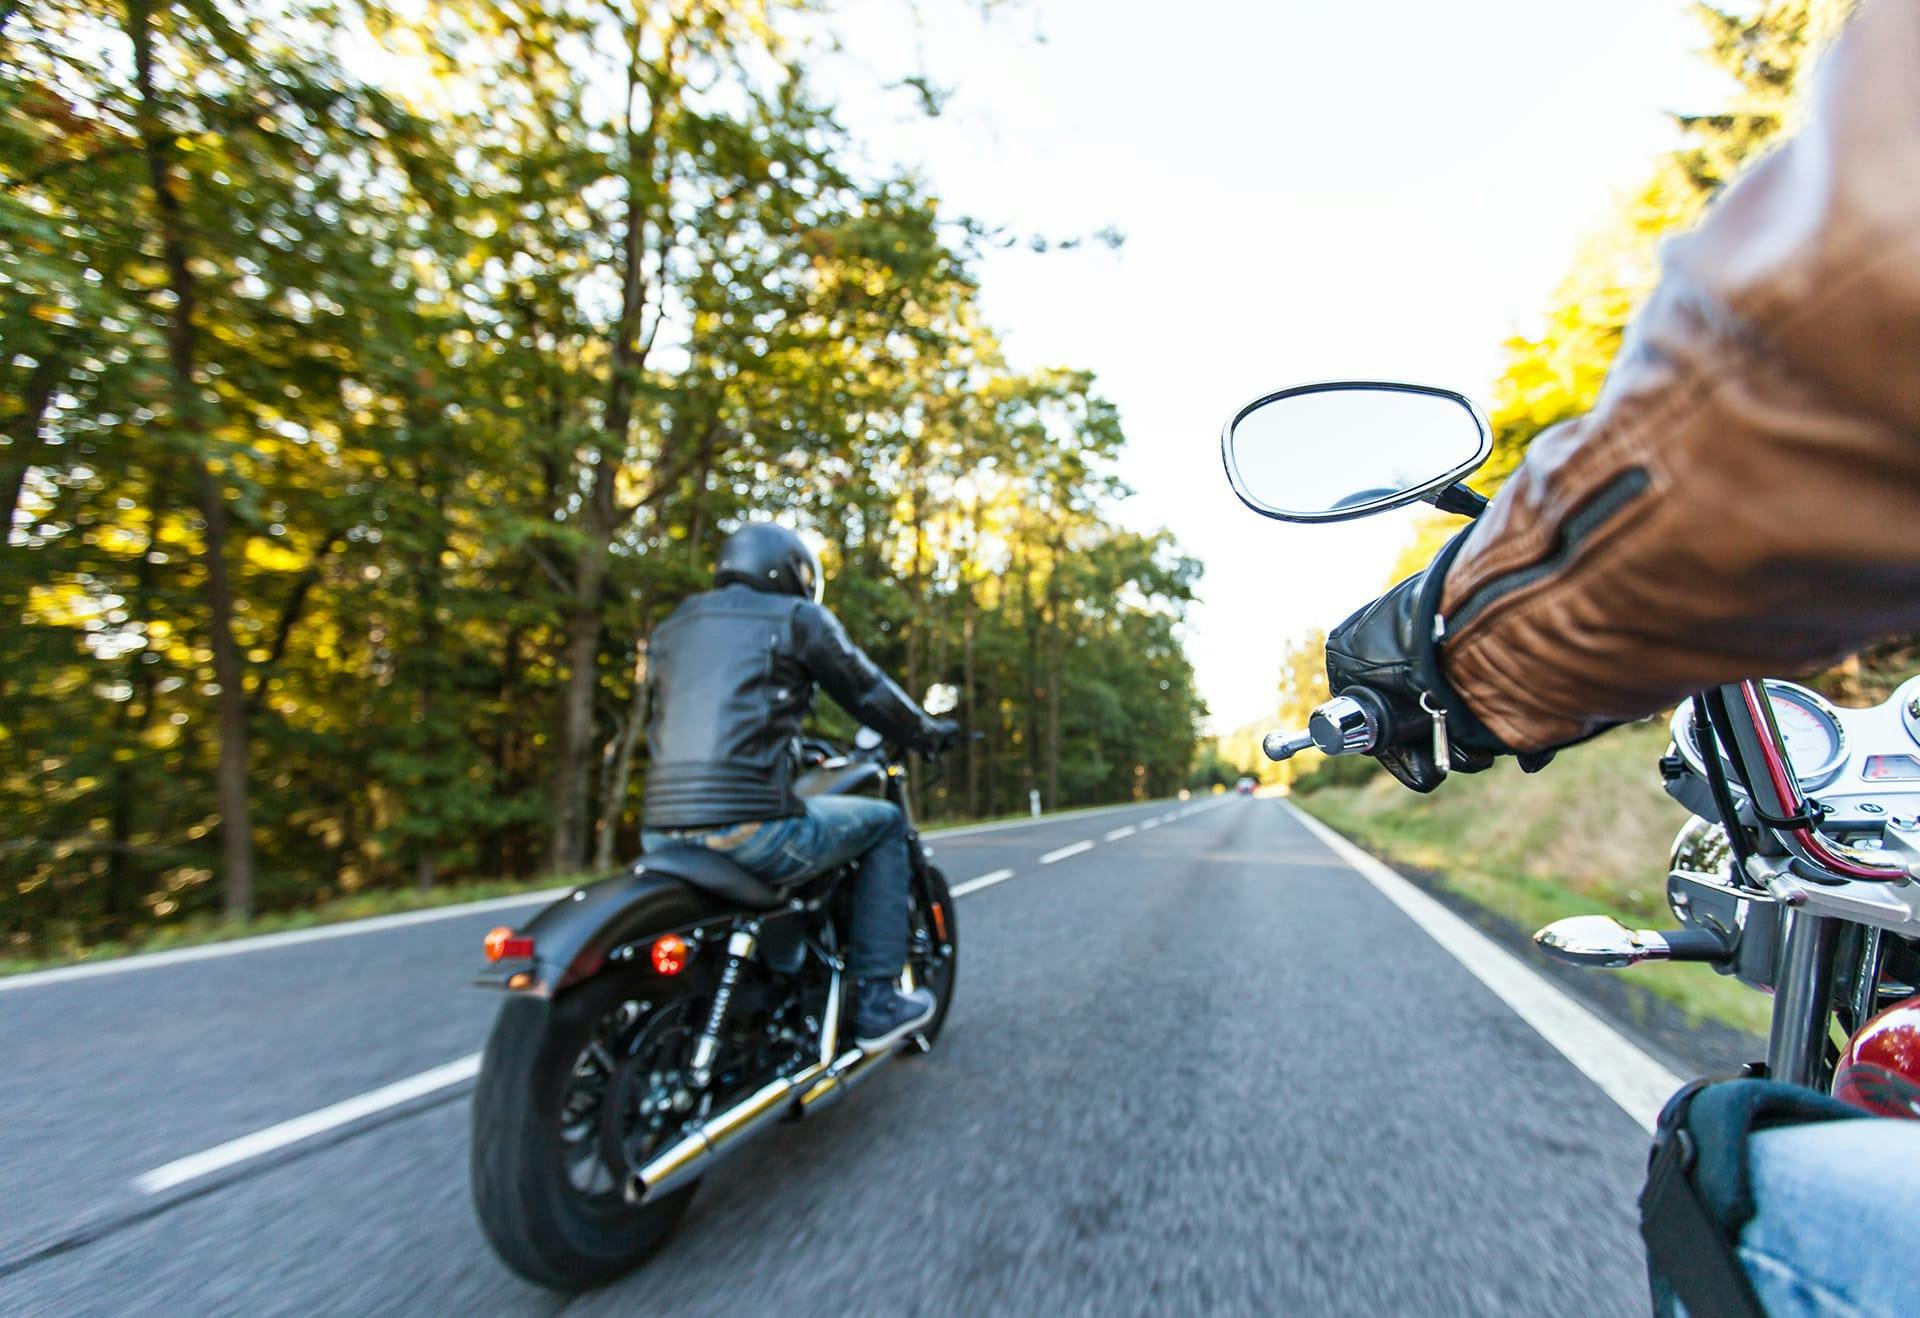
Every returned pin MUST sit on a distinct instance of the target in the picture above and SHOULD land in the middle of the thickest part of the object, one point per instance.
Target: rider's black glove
(1388, 647)
(942, 734)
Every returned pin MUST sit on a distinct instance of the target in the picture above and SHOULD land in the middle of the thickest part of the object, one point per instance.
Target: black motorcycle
(658, 1019)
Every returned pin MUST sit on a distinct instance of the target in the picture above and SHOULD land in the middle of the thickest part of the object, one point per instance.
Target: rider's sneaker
(883, 1015)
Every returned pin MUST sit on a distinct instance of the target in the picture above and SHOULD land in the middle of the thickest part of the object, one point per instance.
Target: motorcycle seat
(713, 873)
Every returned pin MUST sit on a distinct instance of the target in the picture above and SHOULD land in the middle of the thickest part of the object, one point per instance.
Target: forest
(377, 377)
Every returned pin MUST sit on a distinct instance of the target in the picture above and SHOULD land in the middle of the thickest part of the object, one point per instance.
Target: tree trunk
(1053, 722)
(23, 439)
(618, 771)
(1031, 697)
(626, 358)
(136, 714)
(236, 839)
(972, 706)
(574, 756)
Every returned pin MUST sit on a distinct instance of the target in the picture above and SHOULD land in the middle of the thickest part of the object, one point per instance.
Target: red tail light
(503, 944)
(669, 954)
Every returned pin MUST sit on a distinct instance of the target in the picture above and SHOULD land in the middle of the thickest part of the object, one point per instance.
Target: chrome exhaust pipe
(805, 1091)
(687, 1157)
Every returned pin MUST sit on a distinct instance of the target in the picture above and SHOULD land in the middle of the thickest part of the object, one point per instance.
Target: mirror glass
(941, 697)
(1328, 452)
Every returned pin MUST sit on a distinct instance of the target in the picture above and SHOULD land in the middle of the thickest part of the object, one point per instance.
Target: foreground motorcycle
(658, 1019)
(1810, 898)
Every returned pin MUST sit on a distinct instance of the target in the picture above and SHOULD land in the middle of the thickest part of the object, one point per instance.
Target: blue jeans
(833, 831)
(1838, 1221)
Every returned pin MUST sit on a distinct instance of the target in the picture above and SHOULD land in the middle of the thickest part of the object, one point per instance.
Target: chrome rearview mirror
(941, 697)
(1347, 448)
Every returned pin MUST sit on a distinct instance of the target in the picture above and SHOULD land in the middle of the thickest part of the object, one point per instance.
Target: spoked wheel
(572, 1097)
(933, 948)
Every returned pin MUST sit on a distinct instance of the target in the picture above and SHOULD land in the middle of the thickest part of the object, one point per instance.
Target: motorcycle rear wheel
(551, 1213)
(933, 948)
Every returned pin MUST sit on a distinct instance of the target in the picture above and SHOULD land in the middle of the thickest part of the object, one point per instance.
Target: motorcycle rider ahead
(732, 672)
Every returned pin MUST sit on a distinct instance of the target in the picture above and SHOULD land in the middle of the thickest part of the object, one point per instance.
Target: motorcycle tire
(538, 1221)
(933, 924)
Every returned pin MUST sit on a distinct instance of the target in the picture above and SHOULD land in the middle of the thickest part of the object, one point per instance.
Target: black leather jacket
(732, 673)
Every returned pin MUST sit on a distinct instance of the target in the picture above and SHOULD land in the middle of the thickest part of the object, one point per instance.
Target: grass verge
(1588, 836)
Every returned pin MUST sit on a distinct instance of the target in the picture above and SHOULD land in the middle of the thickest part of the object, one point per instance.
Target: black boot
(882, 1014)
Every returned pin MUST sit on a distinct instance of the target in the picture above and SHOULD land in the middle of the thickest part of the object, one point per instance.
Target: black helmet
(769, 558)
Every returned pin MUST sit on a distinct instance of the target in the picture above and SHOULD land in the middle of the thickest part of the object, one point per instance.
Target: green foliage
(1557, 373)
(497, 318)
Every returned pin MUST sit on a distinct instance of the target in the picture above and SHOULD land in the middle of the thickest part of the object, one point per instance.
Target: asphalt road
(1199, 1066)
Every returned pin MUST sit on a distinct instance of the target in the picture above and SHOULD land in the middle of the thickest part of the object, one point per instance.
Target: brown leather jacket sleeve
(1745, 496)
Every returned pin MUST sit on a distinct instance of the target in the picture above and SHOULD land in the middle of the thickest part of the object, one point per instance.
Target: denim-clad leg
(850, 826)
(1838, 1218)
(834, 830)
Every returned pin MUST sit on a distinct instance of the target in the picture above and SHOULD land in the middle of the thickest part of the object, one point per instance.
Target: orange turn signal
(501, 945)
(669, 954)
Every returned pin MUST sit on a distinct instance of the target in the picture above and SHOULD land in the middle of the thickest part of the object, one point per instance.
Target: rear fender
(573, 937)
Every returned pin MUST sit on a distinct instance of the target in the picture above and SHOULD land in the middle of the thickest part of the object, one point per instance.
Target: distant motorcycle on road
(657, 1020)
(1811, 898)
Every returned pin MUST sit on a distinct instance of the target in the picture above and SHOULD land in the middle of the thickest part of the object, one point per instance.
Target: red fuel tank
(1880, 1067)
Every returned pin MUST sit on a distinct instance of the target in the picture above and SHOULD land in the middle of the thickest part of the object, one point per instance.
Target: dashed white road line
(347, 1111)
(1072, 849)
(314, 1123)
(1639, 1084)
(374, 924)
(319, 1122)
(984, 881)
(1146, 824)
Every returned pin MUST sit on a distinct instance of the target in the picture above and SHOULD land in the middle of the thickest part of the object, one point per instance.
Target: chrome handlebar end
(1344, 726)
(1341, 726)
(1285, 745)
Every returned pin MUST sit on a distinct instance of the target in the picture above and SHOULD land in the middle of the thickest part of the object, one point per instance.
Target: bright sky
(1309, 189)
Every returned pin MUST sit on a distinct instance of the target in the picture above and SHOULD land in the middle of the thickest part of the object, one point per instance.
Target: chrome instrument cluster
(1864, 764)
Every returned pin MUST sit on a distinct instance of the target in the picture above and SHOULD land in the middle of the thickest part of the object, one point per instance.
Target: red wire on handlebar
(1787, 788)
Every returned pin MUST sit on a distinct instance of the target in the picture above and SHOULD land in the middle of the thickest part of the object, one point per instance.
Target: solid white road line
(1119, 833)
(263, 942)
(1640, 1085)
(302, 1128)
(1064, 852)
(984, 881)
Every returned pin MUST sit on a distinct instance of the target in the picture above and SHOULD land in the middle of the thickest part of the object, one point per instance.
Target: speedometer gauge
(1816, 746)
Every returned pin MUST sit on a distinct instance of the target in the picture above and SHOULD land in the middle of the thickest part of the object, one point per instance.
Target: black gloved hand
(1388, 648)
(942, 734)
